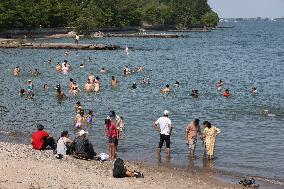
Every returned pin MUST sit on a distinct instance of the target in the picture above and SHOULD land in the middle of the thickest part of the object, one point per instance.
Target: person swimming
(139, 69)
(30, 87)
(177, 84)
(89, 86)
(253, 90)
(97, 84)
(58, 67)
(74, 88)
(45, 87)
(126, 71)
(82, 65)
(114, 81)
(194, 93)
(134, 86)
(166, 89)
(103, 70)
(17, 71)
(227, 93)
(36, 72)
(219, 85)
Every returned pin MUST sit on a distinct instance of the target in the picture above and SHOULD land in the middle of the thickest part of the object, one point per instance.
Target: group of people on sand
(164, 126)
(80, 147)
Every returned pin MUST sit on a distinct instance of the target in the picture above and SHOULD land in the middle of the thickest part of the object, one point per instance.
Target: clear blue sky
(248, 8)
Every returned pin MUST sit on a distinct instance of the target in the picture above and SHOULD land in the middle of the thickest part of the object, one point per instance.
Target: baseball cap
(166, 112)
(82, 132)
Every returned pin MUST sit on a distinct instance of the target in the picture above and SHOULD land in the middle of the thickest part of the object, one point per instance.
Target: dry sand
(22, 167)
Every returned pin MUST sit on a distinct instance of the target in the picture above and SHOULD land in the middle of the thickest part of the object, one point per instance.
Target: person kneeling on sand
(82, 148)
(63, 145)
(120, 170)
(41, 139)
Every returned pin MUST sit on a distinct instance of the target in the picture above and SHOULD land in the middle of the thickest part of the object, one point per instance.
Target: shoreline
(40, 169)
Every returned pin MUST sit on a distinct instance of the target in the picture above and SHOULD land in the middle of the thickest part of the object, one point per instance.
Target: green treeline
(88, 14)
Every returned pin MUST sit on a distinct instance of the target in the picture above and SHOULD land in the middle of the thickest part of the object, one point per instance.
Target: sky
(248, 8)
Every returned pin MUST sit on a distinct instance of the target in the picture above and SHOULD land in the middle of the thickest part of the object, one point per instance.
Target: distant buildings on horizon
(251, 19)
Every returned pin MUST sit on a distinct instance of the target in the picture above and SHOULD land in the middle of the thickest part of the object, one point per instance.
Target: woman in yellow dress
(209, 138)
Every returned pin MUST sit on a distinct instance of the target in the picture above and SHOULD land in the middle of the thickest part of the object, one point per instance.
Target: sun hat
(166, 112)
(82, 132)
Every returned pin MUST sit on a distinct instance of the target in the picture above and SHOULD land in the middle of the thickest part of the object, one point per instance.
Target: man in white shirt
(164, 126)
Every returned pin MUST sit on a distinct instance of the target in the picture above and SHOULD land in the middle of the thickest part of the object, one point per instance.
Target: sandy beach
(23, 167)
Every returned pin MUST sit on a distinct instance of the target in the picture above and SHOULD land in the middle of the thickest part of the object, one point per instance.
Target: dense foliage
(87, 14)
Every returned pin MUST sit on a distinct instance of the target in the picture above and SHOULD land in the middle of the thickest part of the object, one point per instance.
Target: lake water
(250, 54)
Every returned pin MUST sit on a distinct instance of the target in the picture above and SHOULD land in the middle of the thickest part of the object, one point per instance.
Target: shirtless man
(89, 86)
(114, 81)
(16, 71)
(91, 77)
(166, 89)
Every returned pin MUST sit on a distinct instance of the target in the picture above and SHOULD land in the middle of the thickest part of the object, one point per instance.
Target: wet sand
(23, 167)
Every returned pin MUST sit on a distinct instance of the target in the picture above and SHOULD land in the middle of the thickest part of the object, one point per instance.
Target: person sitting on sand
(17, 71)
(126, 71)
(114, 81)
(194, 93)
(227, 93)
(166, 89)
(209, 137)
(120, 170)
(82, 148)
(103, 70)
(91, 77)
(58, 67)
(89, 86)
(191, 132)
(41, 139)
(63, 145)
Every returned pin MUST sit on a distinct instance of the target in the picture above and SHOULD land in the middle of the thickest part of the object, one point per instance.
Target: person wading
(164, 126)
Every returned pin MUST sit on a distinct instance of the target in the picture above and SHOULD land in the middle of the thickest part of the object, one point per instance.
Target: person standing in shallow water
(191, 132)
(164, 126)
(209, 137)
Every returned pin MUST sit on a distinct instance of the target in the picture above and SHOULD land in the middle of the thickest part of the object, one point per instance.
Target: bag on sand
(119, 170)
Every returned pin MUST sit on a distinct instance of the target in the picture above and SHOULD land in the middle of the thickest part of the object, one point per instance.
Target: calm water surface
(250, 54)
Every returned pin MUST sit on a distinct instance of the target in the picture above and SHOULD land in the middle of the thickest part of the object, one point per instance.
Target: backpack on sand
(119, 170)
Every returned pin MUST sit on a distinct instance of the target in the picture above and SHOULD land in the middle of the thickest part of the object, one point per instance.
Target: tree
(210, 19)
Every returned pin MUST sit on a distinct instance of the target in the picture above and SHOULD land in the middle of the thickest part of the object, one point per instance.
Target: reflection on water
(247, 55)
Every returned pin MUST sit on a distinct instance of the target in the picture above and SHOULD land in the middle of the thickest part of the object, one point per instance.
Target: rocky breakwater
(28, 45)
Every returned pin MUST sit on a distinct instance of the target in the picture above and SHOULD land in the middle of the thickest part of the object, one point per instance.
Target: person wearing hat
(83, 149)
(41, 139)
(164, 126)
